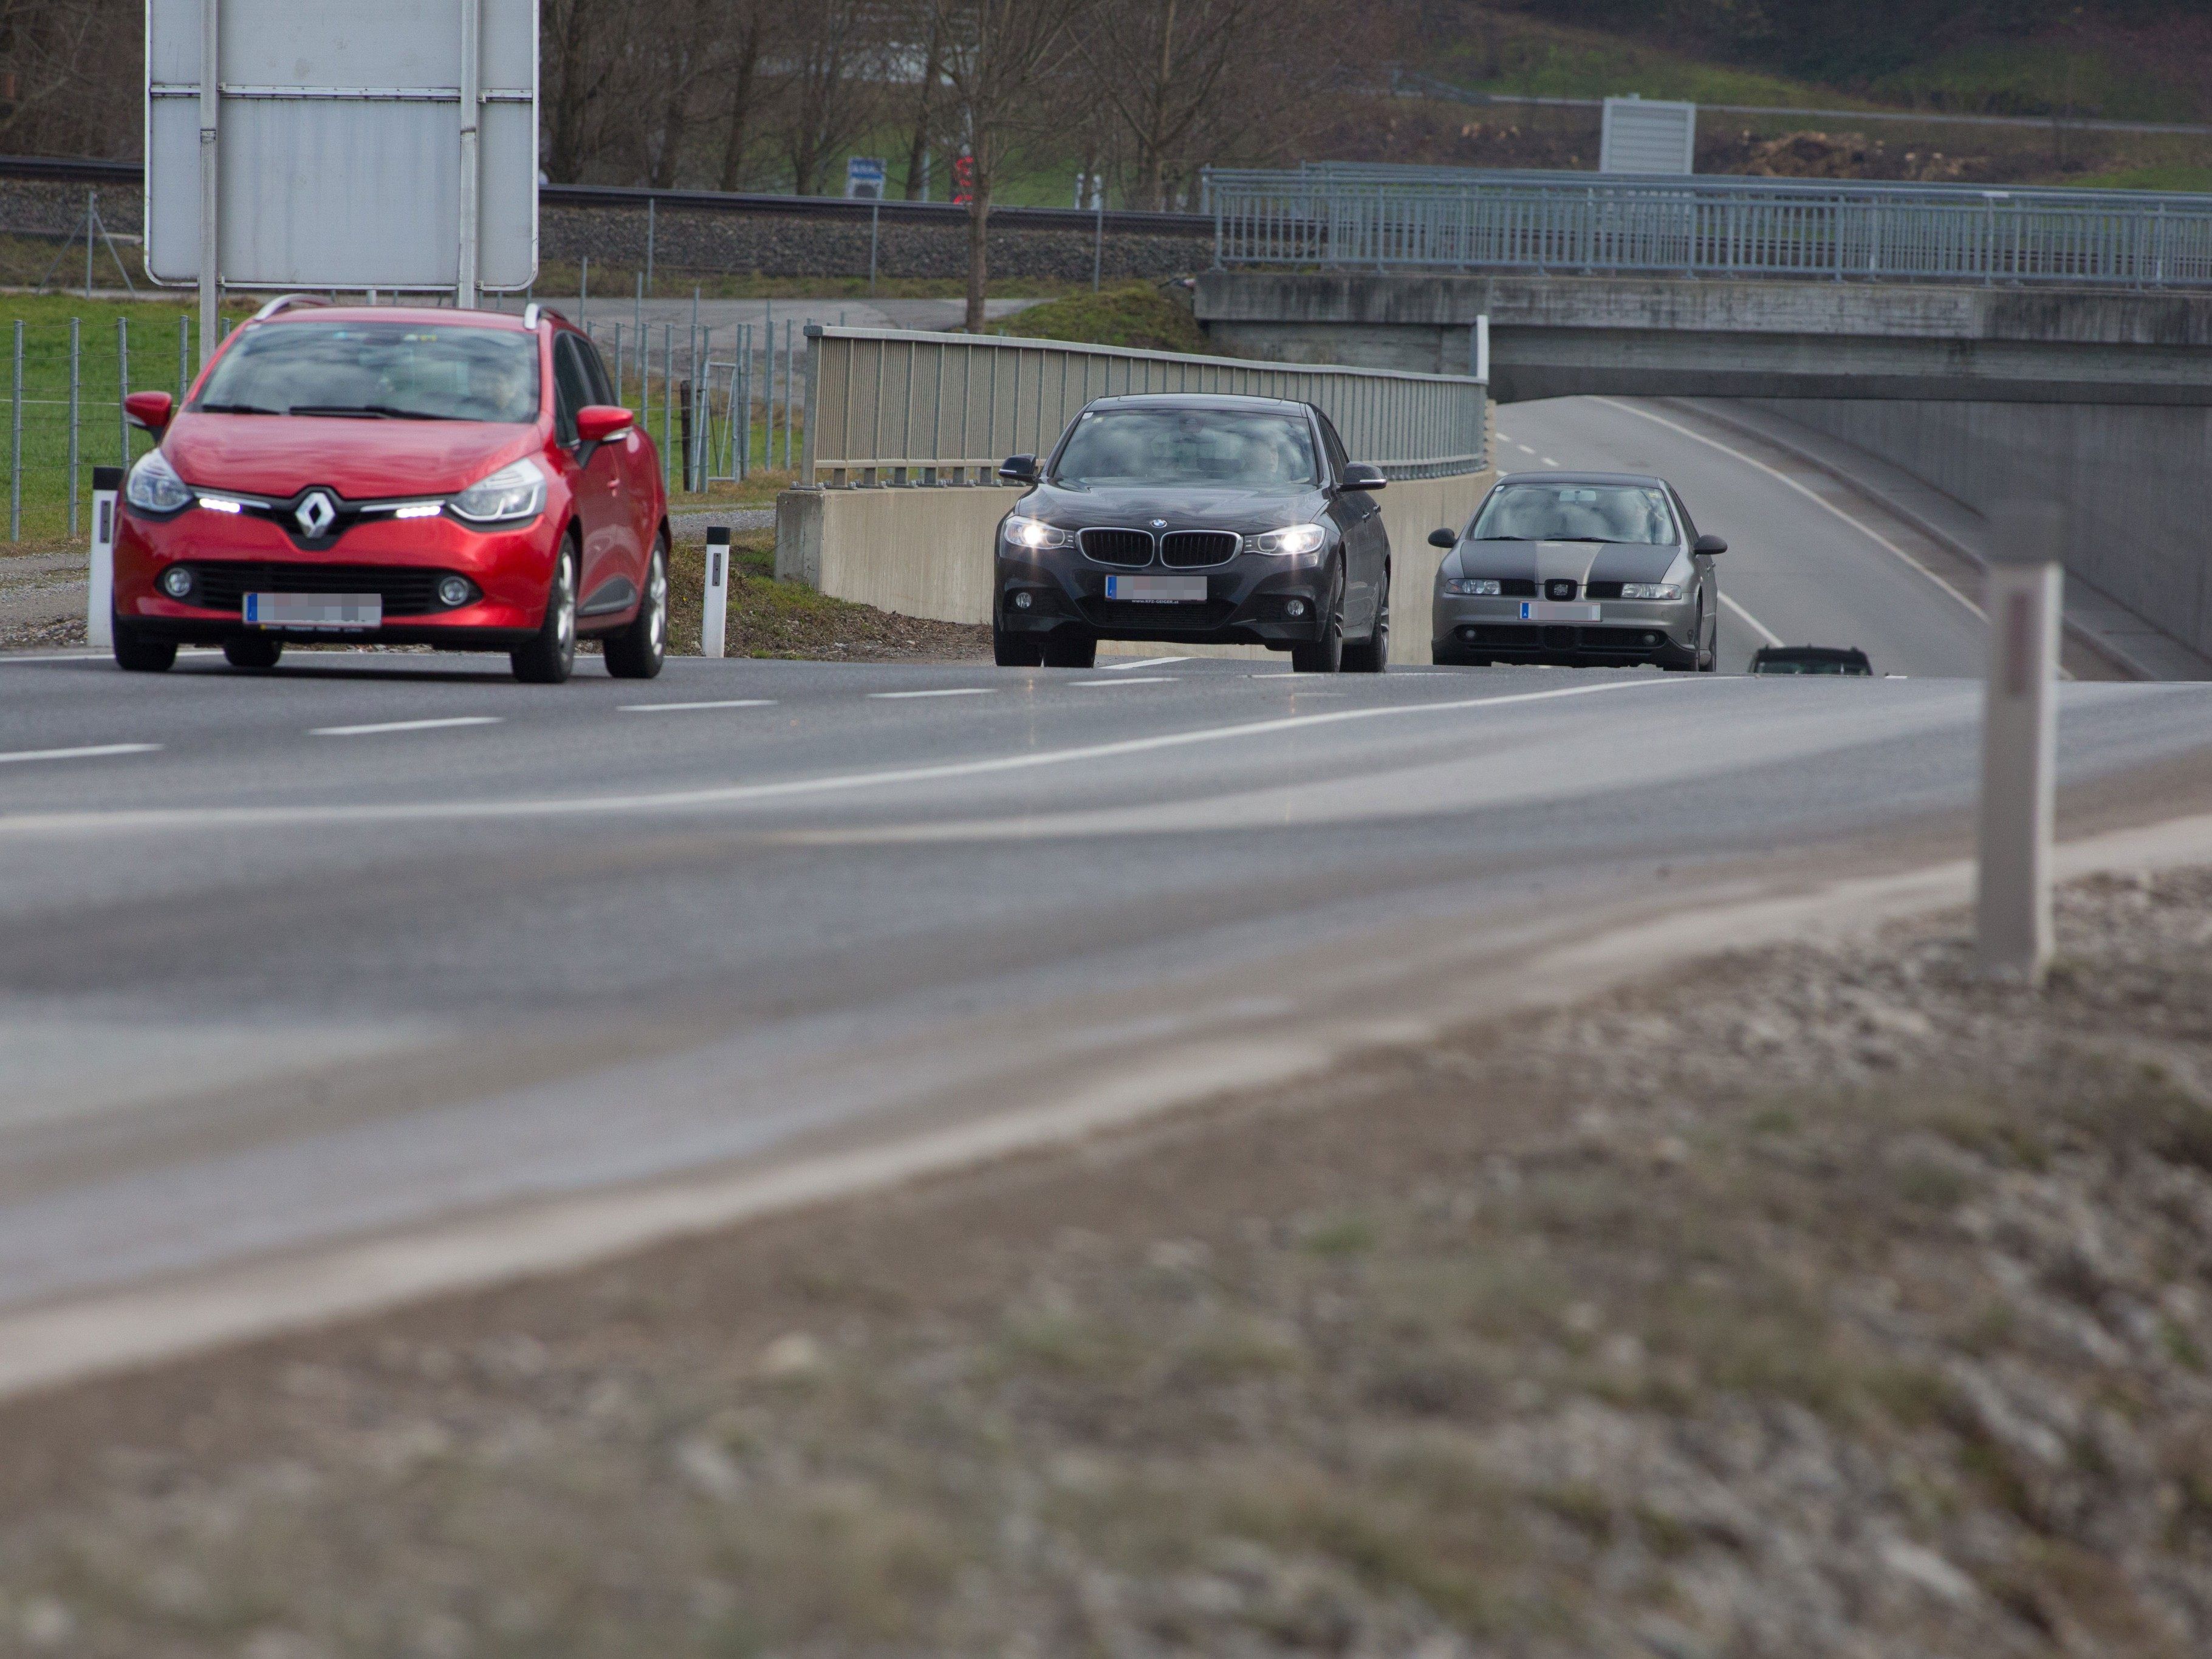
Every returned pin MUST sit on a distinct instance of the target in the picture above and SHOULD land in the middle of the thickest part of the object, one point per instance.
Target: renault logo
(316, 515)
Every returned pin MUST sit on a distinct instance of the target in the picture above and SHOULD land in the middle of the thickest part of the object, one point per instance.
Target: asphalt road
(382, 939)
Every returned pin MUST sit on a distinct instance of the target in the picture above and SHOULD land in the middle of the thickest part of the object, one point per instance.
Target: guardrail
(890, 407)
(1379, 218)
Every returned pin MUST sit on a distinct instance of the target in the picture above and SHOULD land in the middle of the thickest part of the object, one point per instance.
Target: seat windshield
(397, 370)
(1638, 514)
(1222, 447)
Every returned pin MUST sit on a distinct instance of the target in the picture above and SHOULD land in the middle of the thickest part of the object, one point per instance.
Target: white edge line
(741, 794)
(1143, 662)
(947, 691)
(1757, 626)
(673, 708)
(1134, 679)
(89, 752)
(1813, 496)
(402, 725)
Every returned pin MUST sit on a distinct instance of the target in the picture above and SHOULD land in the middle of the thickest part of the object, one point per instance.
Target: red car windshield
(393, 371)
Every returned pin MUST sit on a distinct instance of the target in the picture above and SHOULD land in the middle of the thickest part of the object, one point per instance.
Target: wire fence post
(16, 447)
(122, 388)
(75, 360)
(875, 213)
(1098, 235)
(90, 197)
(618, 363)
(745, 402)
(652, 217)
(183, 358)
(790, 390)
(584, 293)
(667, 404)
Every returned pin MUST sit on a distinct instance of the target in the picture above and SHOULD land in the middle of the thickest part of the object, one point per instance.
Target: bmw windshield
(1634, 514)
(390, 371)
(1224, 449)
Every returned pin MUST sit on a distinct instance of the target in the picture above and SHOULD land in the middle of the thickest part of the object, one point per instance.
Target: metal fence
(888, 407)
(1382, 218)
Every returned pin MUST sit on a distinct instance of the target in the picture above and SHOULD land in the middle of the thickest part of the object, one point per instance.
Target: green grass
(2029, 77)
(2175, 176)
(1549, 62)
(1135, 315)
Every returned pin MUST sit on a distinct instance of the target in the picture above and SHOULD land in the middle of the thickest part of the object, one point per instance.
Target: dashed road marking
(1139, 679)
(89, 751)
(402, 725)
(948, 691)
(679, 708)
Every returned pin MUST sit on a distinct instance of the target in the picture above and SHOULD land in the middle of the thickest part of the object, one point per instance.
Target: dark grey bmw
(1194, 519)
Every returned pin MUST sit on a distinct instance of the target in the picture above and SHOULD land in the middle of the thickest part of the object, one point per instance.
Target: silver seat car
(1579, 568)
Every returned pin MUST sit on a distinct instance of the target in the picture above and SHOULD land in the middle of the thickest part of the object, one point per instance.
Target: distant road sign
(1644, 136)
(352, 153)
(863, 177)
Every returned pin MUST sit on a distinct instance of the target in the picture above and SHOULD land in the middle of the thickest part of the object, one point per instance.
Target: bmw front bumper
(1254, 599)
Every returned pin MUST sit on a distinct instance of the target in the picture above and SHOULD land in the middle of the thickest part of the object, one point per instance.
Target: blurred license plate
(1551, 610)
(1158, 590)
(314, 609)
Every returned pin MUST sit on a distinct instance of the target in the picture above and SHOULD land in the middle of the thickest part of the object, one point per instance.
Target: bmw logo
(1159, 524)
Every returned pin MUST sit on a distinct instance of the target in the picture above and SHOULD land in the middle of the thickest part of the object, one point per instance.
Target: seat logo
(316, 515)
(1557, 589)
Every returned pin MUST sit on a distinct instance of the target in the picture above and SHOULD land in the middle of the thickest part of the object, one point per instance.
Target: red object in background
(309, 505)
(963, 180)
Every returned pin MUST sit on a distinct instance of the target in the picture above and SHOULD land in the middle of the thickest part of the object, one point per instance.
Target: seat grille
(1517, 587)
(406, 590)
(1129, 547)
(1185, 548)
(1601, 591)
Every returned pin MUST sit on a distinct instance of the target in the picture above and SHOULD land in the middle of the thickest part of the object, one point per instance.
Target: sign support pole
(464, 287)
(2021, 593)
(210, 178)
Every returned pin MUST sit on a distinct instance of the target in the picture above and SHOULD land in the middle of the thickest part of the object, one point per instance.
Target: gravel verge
(1811, 1301)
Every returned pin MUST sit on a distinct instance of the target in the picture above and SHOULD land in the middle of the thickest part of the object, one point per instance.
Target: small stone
(708, 1468)
(46, 1623)
(793, 1354)
(1928, 1569)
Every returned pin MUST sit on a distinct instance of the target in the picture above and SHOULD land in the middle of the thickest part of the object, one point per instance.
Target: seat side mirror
(1360, 476)
(153, 410)
(1443, 539)
(1018, 469)
(1711, 545)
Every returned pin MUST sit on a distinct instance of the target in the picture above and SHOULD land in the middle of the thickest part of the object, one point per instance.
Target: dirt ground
(1814, 1301)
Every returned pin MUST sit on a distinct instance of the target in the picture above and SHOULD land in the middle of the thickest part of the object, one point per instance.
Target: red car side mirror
(599, 424)
(151, 409)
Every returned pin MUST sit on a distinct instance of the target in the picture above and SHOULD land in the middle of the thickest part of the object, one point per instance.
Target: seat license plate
(314, 611)
(1553, 610)
(1158, 590)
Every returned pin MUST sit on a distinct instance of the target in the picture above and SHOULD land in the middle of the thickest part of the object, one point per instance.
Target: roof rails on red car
(284, 302)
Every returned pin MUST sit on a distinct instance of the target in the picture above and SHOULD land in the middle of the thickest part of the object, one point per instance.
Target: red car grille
(406, 590)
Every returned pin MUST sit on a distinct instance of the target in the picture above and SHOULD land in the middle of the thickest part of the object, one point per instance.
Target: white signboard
(864, 178)
(345, 158)
(1645, 136)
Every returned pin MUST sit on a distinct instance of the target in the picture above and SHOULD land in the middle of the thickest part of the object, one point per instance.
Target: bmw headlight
(1650, 591)
(1477, 587)
(154, 487)
(516, 491)
(1296, 539)
(1034, 533)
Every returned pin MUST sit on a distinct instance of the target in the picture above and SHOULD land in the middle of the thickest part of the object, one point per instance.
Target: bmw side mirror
(1360, 476)
(151, 409)
(1711, 545)
(1018, 469)
(1443, 539)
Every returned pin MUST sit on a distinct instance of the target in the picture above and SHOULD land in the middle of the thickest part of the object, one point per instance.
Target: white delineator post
(99, 591)
(712, 618)
(2021, 594)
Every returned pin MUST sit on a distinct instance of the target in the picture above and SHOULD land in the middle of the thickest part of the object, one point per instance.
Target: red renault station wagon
(460, 479)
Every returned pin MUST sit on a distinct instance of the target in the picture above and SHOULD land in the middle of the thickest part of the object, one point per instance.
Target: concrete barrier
(927, 552)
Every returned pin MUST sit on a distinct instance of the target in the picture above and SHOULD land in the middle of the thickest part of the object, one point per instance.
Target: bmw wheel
(1372, 654)
(1326, 654)
(1015, 650)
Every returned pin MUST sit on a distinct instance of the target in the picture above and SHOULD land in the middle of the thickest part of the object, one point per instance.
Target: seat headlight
(1478, 587)
(1650, 591)
(153, 485)
(1035, 533)
(1289, 542)
(515, 491)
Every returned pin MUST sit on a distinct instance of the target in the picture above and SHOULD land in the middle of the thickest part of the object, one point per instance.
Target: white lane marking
(1547, 460)
(1142, 662)
(1141, 679)
(1757, 626)
(1813, 496)
(90, 751)
(402, 725)
(1524, 449)
(738, 794)
(78, 656)
(675, 708)
(950, 691)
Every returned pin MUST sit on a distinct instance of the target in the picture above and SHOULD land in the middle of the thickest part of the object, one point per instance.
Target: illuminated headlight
(513, 492)
(420, 509)
(454, 591)
(1034, 533)
(1477, 587)
(220, 504)
(1649, 591)
(154, 487)
(177, 582)
(1297, 538)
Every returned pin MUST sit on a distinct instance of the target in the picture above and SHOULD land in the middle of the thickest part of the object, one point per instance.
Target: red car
(454, 478)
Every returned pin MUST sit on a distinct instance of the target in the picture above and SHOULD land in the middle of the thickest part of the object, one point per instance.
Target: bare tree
(832, 57)
(580, 67)
(743, 26)
(925, 108)
(1002, 57)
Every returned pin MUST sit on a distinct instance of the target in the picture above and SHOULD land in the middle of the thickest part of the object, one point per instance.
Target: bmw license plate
(1552, 610)
(1158, 590)
(337, 611)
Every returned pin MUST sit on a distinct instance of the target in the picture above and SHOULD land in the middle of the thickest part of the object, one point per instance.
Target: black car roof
(1228, 400)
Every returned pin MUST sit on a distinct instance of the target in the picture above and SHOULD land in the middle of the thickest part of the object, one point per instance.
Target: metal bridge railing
(1381, 218)
(889, 407)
